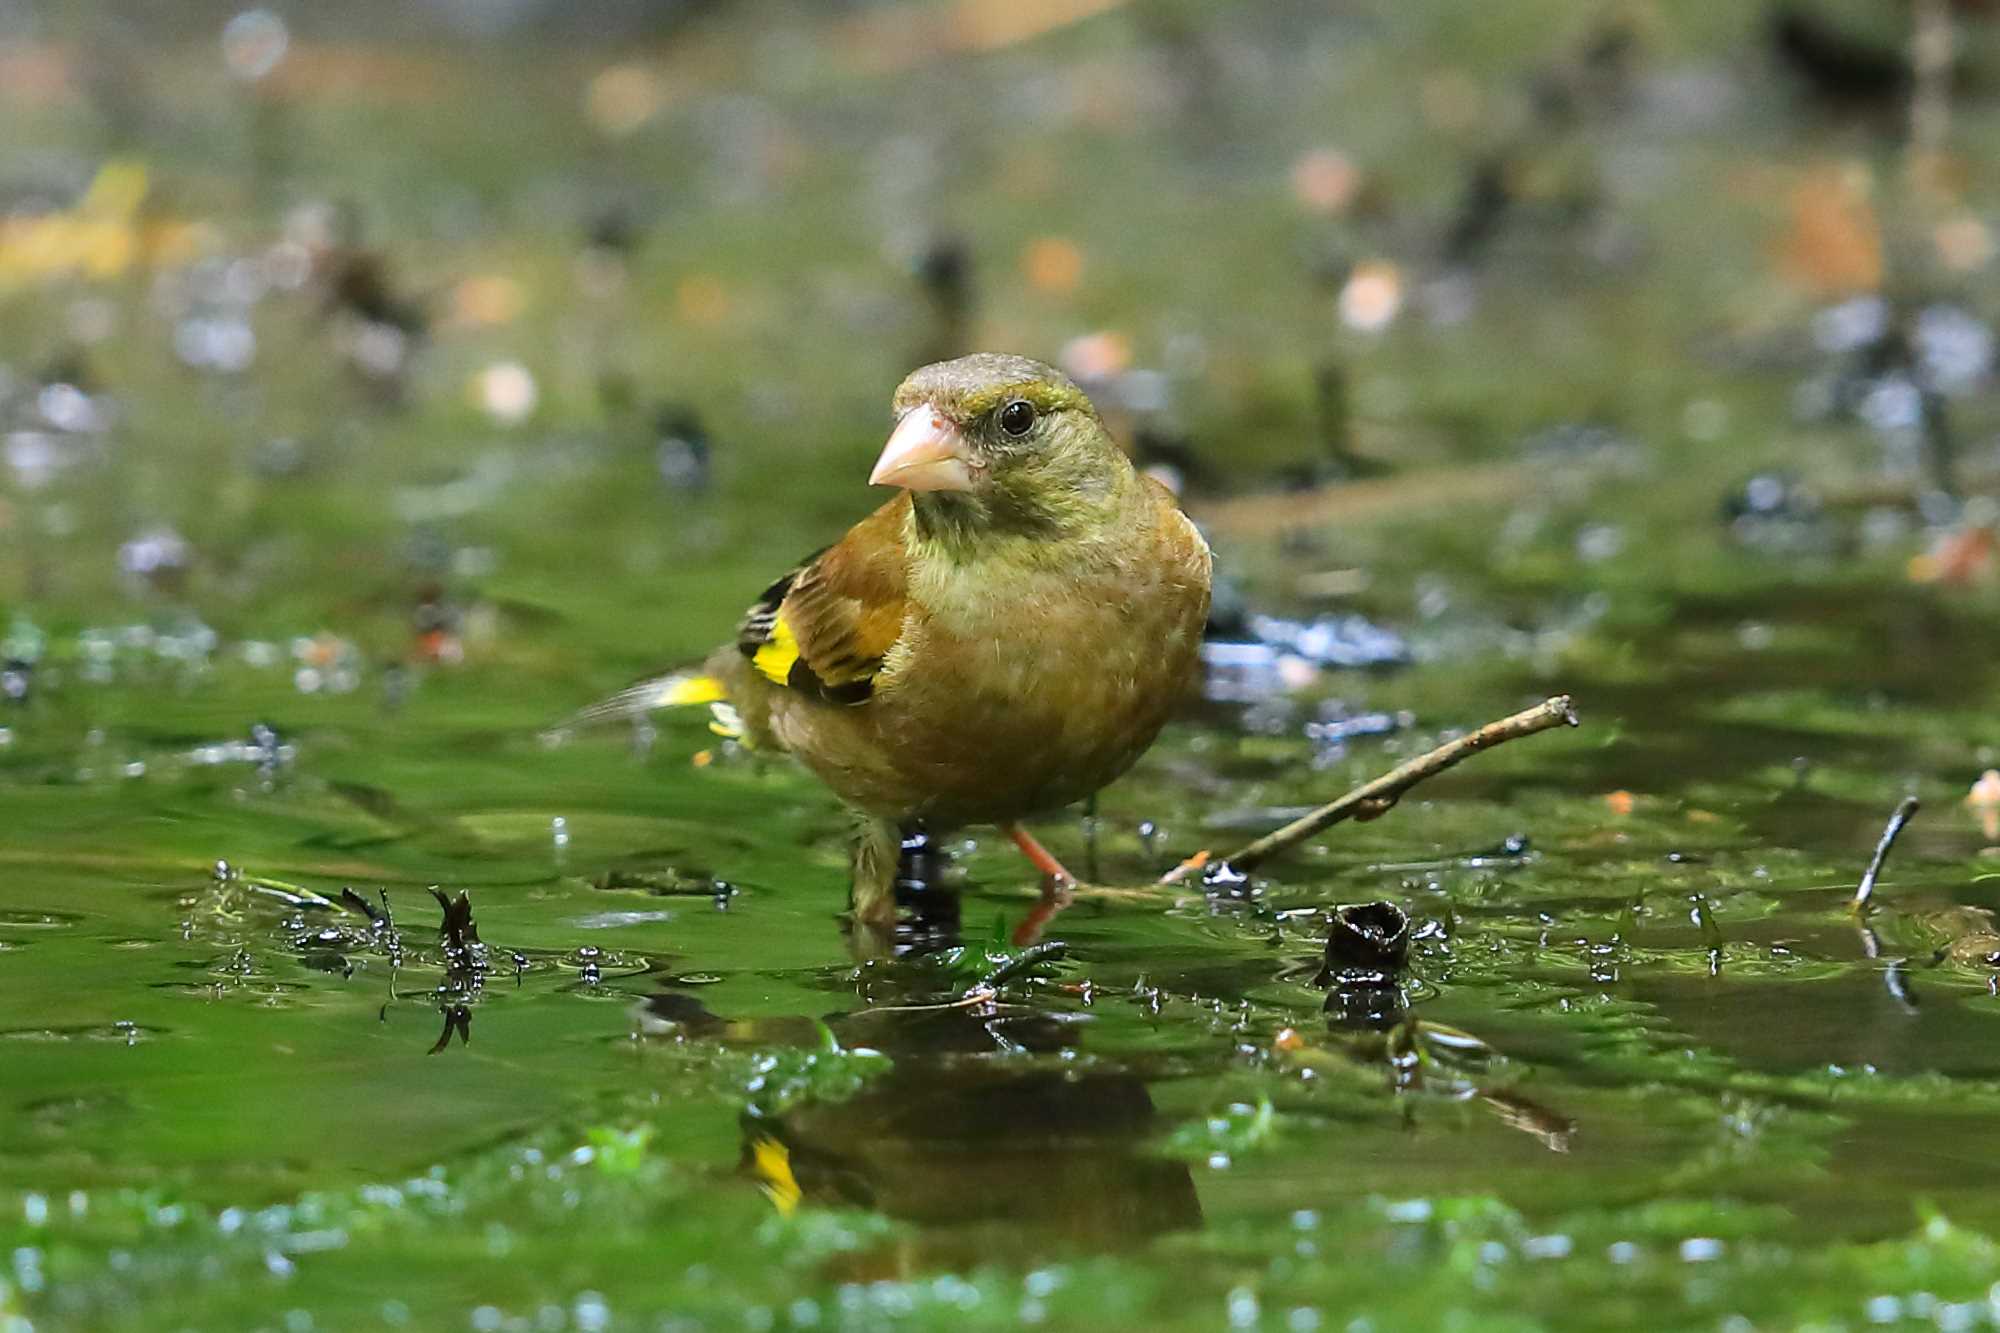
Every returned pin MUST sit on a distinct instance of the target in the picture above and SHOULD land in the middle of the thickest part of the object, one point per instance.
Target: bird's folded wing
(825, 628)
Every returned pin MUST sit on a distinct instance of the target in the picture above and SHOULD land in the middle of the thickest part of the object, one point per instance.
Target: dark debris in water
(1843, 69)
(1366, 944)
(457, 1018)
(667, 882)
(1365, 1008)
(674, 1014)
(377, 916)
(927, 898)
(458, 932)
(1367, 949)
(681, 449)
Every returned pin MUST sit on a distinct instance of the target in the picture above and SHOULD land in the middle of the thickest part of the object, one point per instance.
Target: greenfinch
(1001, 639)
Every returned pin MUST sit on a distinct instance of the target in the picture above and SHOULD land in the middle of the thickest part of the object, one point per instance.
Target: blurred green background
(381, 383)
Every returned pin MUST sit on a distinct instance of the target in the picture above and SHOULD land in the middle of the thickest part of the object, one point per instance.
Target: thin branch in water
(978, 995)
(1024, 961)
(1890, 832)
(1378, 796)
(457, 1018)
(376, 915)
(1896, 977)
(292, 895)
(1931, 43)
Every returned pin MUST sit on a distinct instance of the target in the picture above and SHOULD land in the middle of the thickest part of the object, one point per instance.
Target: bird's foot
(1058, 886)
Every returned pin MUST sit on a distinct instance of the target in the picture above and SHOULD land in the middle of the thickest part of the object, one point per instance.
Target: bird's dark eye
(1018, 417)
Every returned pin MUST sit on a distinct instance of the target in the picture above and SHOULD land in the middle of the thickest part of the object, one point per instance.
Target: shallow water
(1655, 1071)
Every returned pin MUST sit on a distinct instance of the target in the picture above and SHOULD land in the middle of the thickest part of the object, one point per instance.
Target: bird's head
(1002, 442)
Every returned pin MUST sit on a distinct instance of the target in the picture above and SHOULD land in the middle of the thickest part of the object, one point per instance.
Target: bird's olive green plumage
(983, 653)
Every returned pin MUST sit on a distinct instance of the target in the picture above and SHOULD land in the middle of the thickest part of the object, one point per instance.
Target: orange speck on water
(702, 758)
(1097, 356)
(1832, 245)
(1288, 1039)
(1325, 181)
(623, 97)
(1372, 297)
(505, 391)
(702, 299)
(484, 300)
(885, 37)
(1619, 802)
(1964, 243)
(440, 647)
(322, 650)
(1052, 265)
(37, 75)
(1962, 555)
(1984, 800)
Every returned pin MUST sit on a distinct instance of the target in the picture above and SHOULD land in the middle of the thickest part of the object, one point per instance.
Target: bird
(1002, 638)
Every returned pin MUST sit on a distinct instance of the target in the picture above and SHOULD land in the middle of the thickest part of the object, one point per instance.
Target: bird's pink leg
(1043, 859)
(1056, 885)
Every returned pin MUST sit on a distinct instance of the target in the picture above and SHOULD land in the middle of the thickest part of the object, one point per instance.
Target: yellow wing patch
(772, 1162)
(775, 658)
(683, 691)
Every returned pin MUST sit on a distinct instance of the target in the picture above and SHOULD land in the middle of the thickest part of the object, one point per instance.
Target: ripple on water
(613, 920)
(62, 1111)
(128, 1034)
(32, 920)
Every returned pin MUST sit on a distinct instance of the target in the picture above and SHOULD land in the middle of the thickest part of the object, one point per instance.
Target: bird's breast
(1034, 693)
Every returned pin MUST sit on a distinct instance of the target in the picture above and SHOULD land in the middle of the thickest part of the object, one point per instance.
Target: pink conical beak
(925, 452)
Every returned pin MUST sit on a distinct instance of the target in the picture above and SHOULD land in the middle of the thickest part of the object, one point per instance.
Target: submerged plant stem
(1890, 832)
(1376, 797)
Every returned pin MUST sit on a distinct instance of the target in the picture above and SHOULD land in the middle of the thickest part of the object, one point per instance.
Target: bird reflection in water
(1037, 1153)
(972, 1151)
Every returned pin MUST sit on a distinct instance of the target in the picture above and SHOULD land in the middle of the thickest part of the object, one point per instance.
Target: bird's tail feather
(685, 688)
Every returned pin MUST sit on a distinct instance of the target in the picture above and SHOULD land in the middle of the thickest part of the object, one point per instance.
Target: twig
(1375, 798)
(292, 895)
(1890, 832)
(1931, 43)
(976, 996)
(1021, 962)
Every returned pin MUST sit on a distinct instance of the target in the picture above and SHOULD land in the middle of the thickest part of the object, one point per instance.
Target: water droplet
(253, 43)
